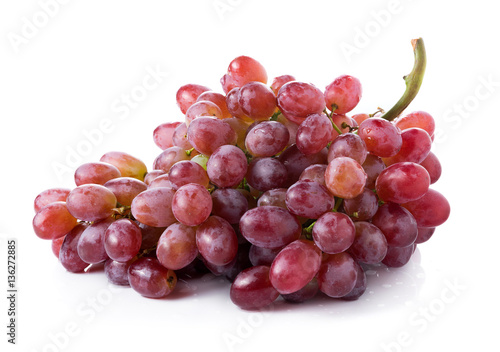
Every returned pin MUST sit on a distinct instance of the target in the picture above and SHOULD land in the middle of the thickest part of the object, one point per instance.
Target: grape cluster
(272, 186)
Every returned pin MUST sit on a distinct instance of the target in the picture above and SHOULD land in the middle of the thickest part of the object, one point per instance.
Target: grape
(397, 224)
(56, 244)
(153, 207)
(201, 160)
(233, 104)
(151, 175)
(402, 182)
(257, 101)
(252, 288)
(239, 126)
(424, 233)
(53, 221)
(269, 227)
(187, 95)
(359, 287)
(91, 202)
(433, 166)
(398, 256)
(151, 279)
(150, 235)
(68, 254)
(177, 246)
(128, 165)
(179, 138)
(262, 256)
(279, 81)
(309, 199)
(431, 210)
(241, 71)
(418, 119)
(415, 148)
(344, 123)
(98, 173)
(296, 162)
(122, 240)
(91, 243)
(162, 135)
(345, 178)
(162, 181)
(314, 173)
(381, 137)
(373, 166)
(295, 266)
(216, 240)
(360, 118)
(218, 99)
(229, 204)
(202, 108)
(266, 173)
(186, 171)
(337, 275)
(125, 189)
(343, 94)
(169, 157)
(291, 126)
(239, 263)
(362, 207)
(274, 197)
(227, 166)
(116, 272)
(268, 138)
(305, 293)
(50, 196)
(299, 100)
(207, 134)
(192, 204)
(349, 145)
(333, 232)
(314, 134)
(370, 245)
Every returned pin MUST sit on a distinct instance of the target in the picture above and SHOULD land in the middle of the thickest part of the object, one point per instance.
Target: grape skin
(192, 204)
(91, 202)
(337, 275)
(50, 196)
(98, 173)
(53, 221)
(216, 240)
(122, 240)
(252, 288)
(151, 279)
(68, 254)
(177, 246)
(153, 207)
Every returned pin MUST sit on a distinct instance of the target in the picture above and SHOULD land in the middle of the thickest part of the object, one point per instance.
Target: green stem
(413, 81)
(338, 203)
(335, 127)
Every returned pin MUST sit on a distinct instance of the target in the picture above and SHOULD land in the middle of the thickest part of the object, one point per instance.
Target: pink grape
(91, 202)
(187, 95)
(264, 174)
(186, 171)
(151, 279)
(309, 199)
(362, 207)
(168, 158)
(153, 207)
(345, 178)
(343, 94)
(229, 204)
(314, 134)
(433, 166)
(415, 148)
(216, 240)
(276, 197)
(397, 224)
(227, 166)
(241, 71)
(373, 166)
(420, 119)
(315, 173)
(359, 286)
(50, 196)
(207, 134)
(179, 138)
(296, 162)
(279, 81)
(430, 210)
(252, 288)
(128, 165)
(202, 108)
(125, 189)
(91, 243)
(257, 101)
(218, 99)
(295, 266)
(397, 257)
(68, 254)
(116, 272)
(151, 175)
(53, 221)
(402, 182)
(268, 138)
(337, 275)
(177, 246)
(381, 137)
(122, 240)
(98, 173)
(192, 204)
(269, 227)
(162, 135)
(333, 232)
(350, 145)
(370, 244)
(299, 99)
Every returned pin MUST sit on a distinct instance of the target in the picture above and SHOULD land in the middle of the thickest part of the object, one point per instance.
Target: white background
(65, 72)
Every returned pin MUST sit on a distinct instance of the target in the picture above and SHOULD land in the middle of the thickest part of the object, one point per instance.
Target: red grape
(345, 178)
(252, 288)
(151, 279)
(343, 94)
(402, 182)
(187, 95)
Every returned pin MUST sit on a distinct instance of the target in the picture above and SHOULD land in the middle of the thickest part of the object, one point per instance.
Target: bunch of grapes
(272, 186)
